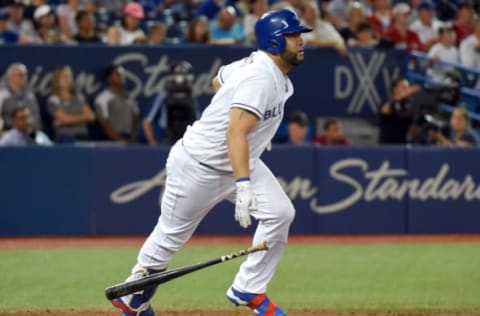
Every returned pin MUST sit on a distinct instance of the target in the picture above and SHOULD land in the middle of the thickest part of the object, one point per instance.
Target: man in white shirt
(323, 32)
(426, 25)
(470, 48)
(445, 50)
(218, 159)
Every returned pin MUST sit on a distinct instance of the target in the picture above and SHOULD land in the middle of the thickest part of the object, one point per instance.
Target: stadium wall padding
(114, 190)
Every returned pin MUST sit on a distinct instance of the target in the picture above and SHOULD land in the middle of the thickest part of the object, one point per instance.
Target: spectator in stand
(113, 7)
(90, 6)
(86, 28)
(365, 37)
(46, 29)
(66, 14)
(398, 31)
(470, 49)
(426, 25)
(396, 116)
(198, 32)
(225, 30)
(129, 32)
(323, 33)
(7, 36)
(18, 135)
(69, 110)
(295, 5)
(256, 8)
(297, 128)
(22, 132)
(117, 113)
(30, 7)
(464, 20)
(211, 8)
(381, 17)
(460, 133)
(16, 22)
(332, 134)
(16, 94)
(444, 50)
(338, 12)
(355, 16)
(156, 34)
(446, 10)
(150, 7)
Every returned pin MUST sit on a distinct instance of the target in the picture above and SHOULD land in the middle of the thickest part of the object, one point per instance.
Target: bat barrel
(146, 282)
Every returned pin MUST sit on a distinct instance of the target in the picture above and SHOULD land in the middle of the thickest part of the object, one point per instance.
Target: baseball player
(218, 158)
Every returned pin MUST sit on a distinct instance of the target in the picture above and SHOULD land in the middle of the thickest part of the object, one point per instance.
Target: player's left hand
(246, 202)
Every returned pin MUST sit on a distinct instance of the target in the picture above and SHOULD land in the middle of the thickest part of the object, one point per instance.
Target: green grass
(423, 277)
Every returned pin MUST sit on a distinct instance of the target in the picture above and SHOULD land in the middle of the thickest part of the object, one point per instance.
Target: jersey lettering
(276, 111)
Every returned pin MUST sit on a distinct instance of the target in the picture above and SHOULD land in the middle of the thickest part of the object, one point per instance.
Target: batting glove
(246, 202)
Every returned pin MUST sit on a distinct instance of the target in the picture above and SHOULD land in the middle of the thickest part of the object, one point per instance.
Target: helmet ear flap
(277, 45)
(274, 44)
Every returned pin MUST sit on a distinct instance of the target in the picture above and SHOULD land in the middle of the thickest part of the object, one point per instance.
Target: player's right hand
(246, 202)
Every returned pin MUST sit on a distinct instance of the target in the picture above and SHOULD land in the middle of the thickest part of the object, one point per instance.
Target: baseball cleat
(137, 304)
(259, 303)
(128, 309)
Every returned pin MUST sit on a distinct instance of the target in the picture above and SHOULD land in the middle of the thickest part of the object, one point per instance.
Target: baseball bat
(149, 281)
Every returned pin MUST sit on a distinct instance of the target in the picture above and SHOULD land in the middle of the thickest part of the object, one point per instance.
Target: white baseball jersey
(255, 84)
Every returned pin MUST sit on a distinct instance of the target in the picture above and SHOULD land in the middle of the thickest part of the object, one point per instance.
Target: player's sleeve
(253, 93)
(226, 71)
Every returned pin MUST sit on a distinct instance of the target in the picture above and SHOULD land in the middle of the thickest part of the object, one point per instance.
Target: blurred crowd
(445, 30)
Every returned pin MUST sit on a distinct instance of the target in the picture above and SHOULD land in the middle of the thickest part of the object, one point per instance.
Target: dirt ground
(53, 242)
(226, 313)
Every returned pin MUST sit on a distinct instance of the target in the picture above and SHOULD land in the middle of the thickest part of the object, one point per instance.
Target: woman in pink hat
(129, 32)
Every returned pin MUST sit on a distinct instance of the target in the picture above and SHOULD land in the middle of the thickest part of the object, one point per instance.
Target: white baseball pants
(192, 190)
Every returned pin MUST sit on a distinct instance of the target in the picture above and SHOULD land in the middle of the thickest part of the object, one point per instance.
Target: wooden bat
(149, 281)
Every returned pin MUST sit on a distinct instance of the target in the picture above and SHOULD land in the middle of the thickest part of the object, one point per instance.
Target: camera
(435, 123)
(179, 100)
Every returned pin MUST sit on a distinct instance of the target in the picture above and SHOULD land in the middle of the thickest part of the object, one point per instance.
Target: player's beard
(291, 58)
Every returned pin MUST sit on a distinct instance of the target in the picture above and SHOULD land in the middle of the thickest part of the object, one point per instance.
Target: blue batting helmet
(271, 27)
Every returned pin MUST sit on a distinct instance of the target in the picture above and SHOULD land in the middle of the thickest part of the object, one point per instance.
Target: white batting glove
(246, 202)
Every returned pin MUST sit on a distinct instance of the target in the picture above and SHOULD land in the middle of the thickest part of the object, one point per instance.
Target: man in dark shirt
(86, 28)
(397, 115)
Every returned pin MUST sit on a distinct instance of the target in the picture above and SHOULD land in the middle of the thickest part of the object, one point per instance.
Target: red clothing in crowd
(322, 139)
(410, 42)
(376, 24)
(462, 32)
